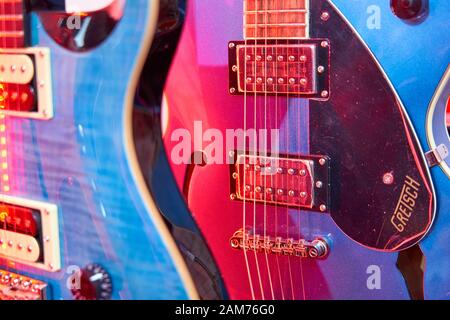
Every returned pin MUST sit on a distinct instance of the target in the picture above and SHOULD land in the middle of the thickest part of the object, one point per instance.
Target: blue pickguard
(78, 161)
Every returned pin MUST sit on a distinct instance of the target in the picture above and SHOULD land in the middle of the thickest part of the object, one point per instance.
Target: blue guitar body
(83, 161)
(415, 58)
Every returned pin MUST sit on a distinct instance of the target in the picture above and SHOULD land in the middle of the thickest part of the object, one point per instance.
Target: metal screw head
(235, 175)
(388, 178)
(269, 190)
(322, 161)
(233, 196)
(269, 58)
(231, 45)
(231, 153)
(303, 58)
(319, 184)
(258, 189)
(324, 94)
(280, 80)
(323, 208)
(280, 192)
(320, 69)
(302, 172)
(325, 16)
(232, 90)
(324, 44)
(291, 193)
(269, 80)
(303, 194)
(291, 171)
(303, 81)
(234, 68)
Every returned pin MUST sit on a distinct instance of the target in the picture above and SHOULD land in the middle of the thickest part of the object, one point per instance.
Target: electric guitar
(77, 220)
(295, 152)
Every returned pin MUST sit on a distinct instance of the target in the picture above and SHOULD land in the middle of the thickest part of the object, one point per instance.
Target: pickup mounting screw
(319, 184)
(231, 45)
(324, 44)
(232, 90)
(324, 94)
(325, 16)
(320, 69)
(235, 175)
(303, 58)
(303, 194)
(322, 161)
(234, 68)
(233, 196)
(323, 208)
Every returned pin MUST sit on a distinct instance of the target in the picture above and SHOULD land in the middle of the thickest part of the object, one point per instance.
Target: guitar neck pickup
(300, 68)
(19, 287)
(29, 233)
(26, 83)
(301, 181)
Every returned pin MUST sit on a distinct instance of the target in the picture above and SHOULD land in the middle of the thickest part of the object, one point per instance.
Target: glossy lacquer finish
(200, 77)
(82, 160)
(415, 71)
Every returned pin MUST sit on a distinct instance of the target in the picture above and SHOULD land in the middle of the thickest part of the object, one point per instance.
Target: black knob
(409, 9)
(94, 284)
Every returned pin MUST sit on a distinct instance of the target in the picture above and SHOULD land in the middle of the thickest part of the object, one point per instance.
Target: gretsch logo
(406, 203)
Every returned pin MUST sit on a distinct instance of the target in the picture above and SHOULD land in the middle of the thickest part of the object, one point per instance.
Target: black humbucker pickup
(299, 67)
(292, 181)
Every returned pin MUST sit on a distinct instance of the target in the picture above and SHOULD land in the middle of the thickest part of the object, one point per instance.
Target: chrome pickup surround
(14, 286)
(316, 249)
(300, 68)
(284, 180)
(41, 251)
(41, 80)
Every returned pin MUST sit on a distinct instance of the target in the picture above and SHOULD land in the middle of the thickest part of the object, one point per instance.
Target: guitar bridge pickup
(30, 233)
(301, 182)
(300, 68)
(316, 249)
(26, 83)
(18, 287)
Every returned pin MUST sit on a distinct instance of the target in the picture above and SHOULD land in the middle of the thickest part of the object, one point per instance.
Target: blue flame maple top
(81, 160)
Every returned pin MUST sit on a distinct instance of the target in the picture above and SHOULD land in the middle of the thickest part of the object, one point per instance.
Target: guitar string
(244, 227)
(299, 144)
(255, 149)
(265, 54)
(278, 8)
(287, 132)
